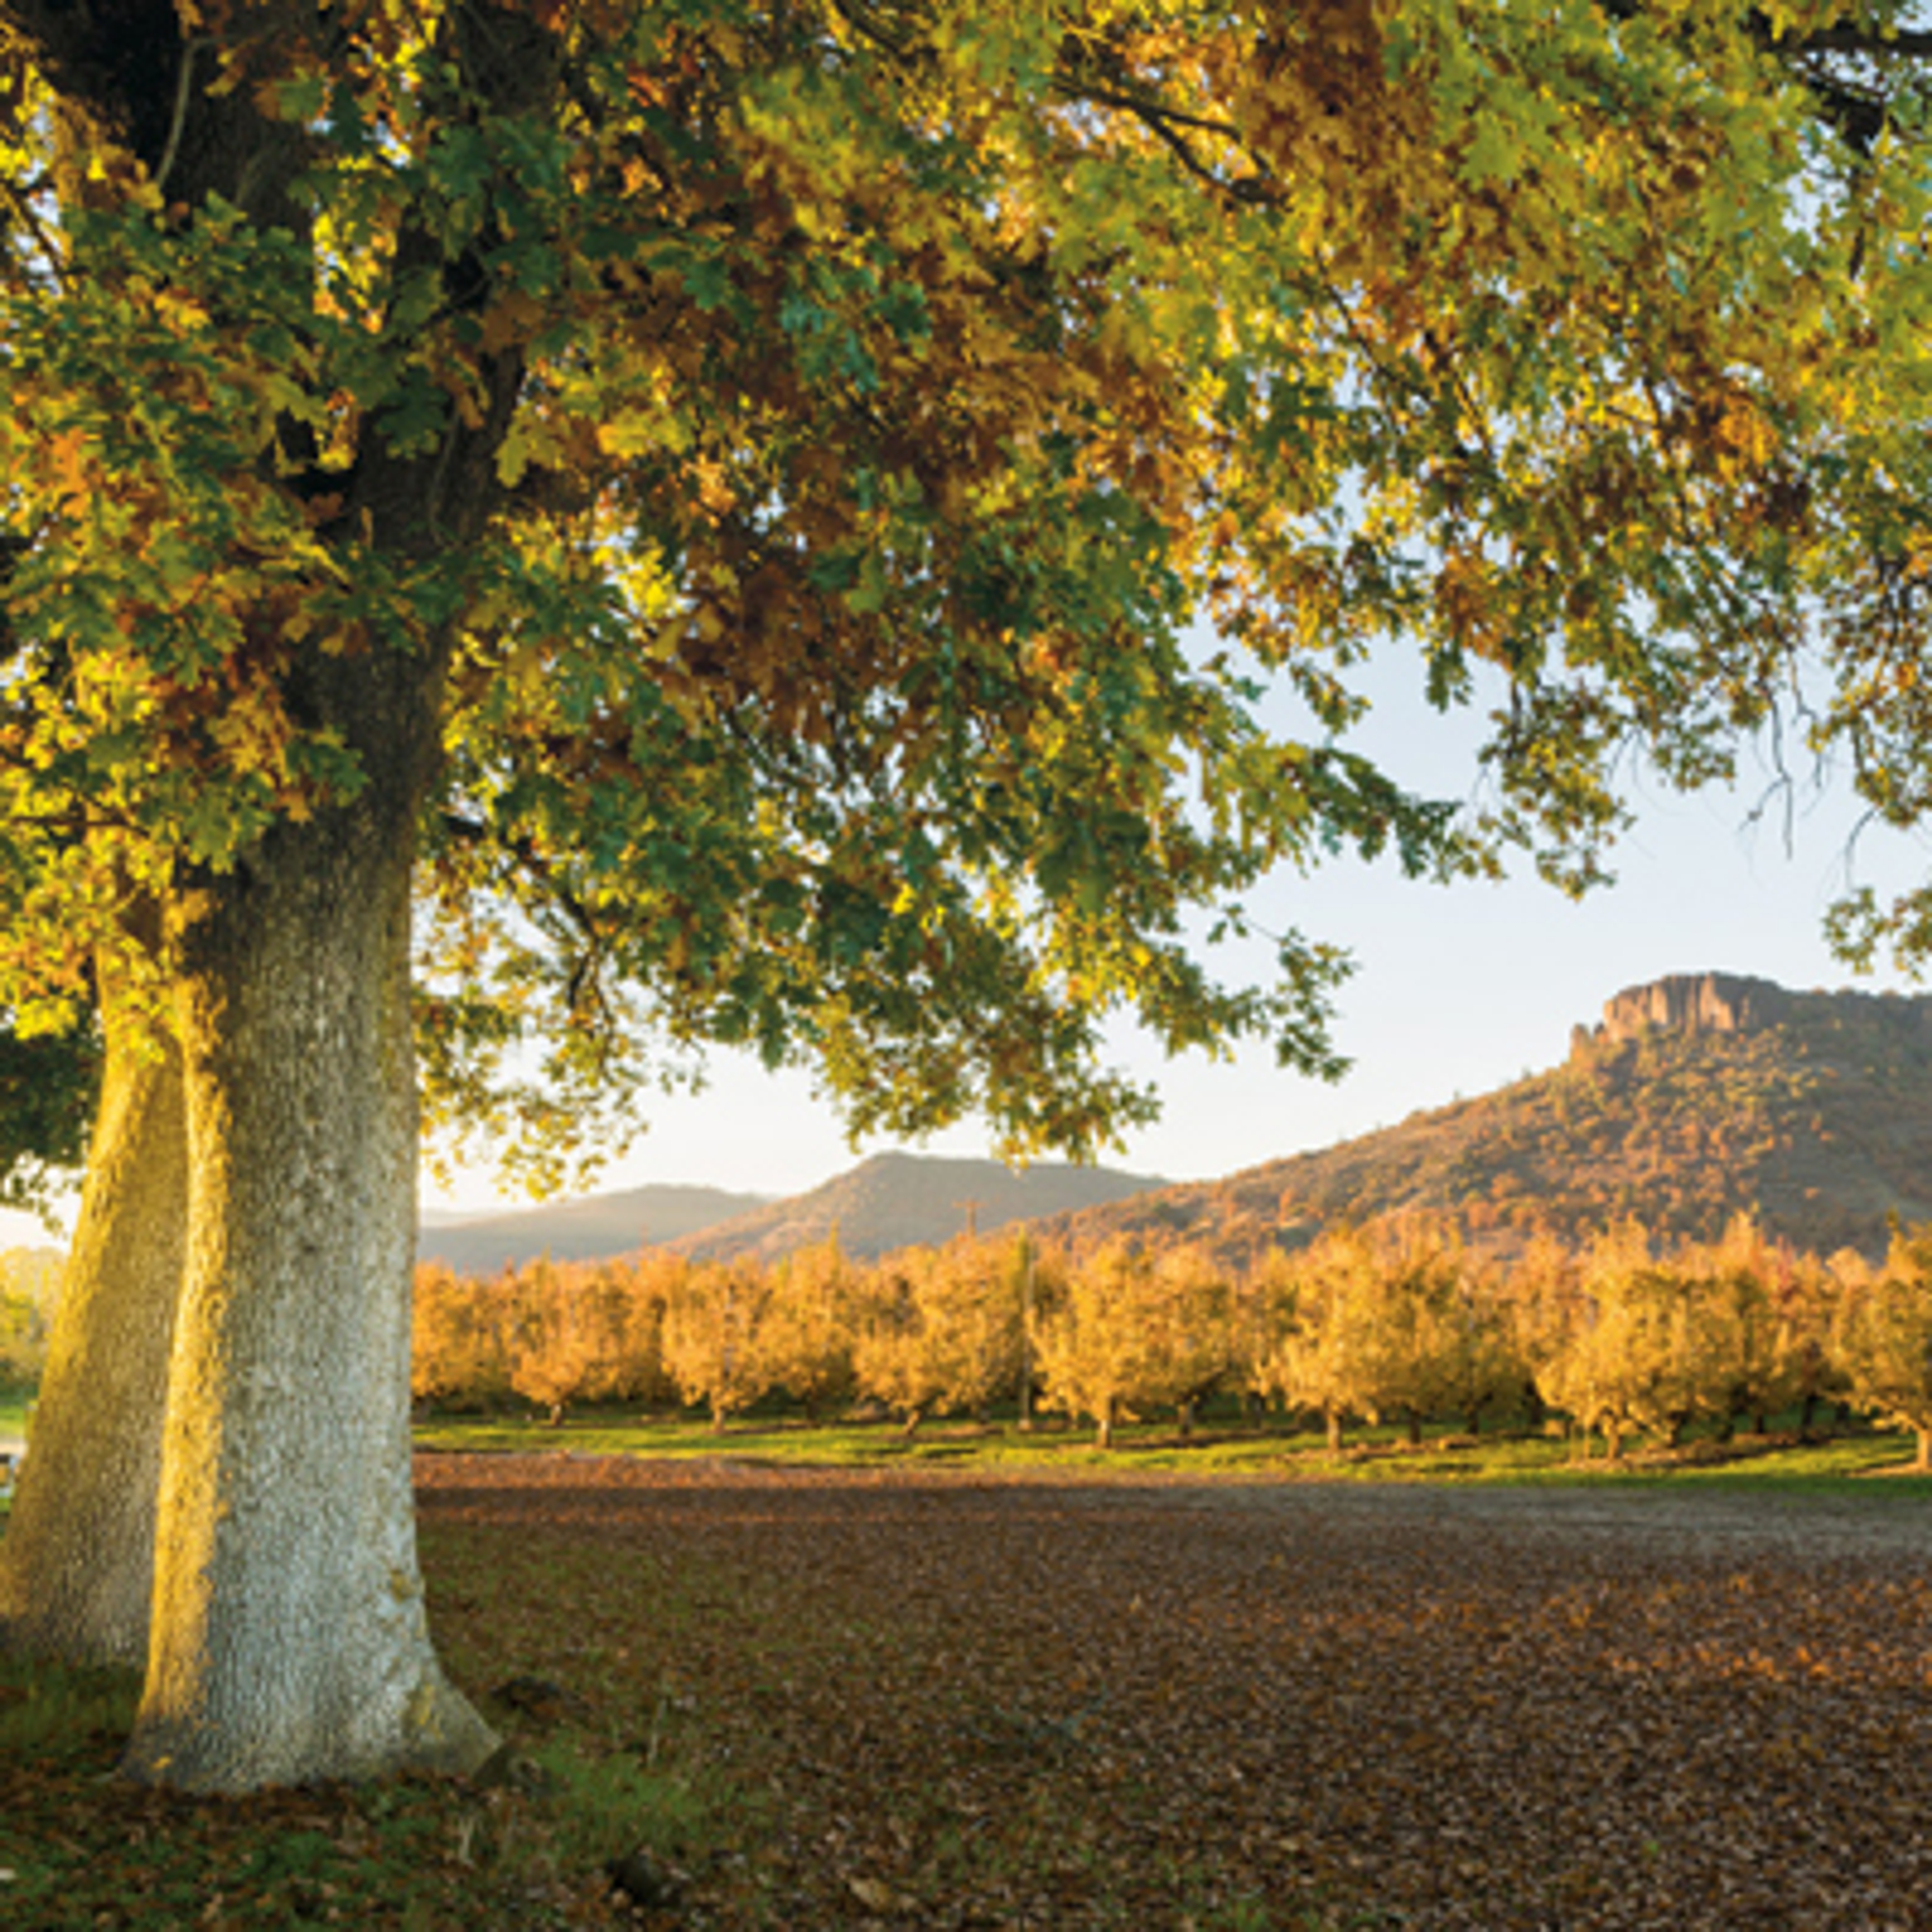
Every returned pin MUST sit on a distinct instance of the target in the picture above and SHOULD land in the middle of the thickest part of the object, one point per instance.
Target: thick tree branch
(184, 86)
(1901, 44)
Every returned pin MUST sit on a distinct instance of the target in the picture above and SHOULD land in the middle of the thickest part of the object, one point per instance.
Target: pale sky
(1458, 989)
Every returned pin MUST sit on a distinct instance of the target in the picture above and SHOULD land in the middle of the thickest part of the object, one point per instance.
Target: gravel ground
(1237, 1704)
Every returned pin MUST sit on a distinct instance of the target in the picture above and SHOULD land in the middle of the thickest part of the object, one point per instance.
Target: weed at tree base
(44, 1709)
(81, 1850)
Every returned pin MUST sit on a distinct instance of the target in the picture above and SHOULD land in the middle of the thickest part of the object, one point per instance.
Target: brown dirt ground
(1027, 1703)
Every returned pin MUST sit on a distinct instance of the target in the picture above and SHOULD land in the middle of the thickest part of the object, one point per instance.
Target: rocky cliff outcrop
(1686, 1003)
(1711, 1002)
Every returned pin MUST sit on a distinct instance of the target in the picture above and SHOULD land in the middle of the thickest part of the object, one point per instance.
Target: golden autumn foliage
(941, 1328)
(1885, 1342)
(806, 1332)
(1384, 1323)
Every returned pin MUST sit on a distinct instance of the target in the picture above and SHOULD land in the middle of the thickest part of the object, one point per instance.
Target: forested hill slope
(1695, 1097)
(899, 1200)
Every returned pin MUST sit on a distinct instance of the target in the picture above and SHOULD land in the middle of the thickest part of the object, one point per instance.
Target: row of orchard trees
(931, 1329)
(1397, 1322)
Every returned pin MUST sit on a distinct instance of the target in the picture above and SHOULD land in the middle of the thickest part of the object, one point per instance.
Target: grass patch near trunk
(80, 1850)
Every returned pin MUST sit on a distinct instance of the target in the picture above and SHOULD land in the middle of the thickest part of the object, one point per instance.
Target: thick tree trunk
(1333, 1417)
(287, 1637)
(76, 1564)
(289, 1640)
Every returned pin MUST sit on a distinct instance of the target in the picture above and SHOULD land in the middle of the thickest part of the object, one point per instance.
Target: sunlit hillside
(1695, 1098)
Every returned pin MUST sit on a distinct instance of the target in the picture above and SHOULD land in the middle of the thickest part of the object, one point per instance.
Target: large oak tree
(613, 524)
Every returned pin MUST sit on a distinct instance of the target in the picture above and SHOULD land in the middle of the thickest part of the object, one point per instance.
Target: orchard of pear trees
(1394, 1323)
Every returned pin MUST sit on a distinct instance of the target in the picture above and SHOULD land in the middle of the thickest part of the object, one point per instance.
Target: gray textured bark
(76, 1564)
(289, 1640)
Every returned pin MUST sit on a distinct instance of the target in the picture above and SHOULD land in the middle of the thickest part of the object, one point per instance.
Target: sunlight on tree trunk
(286, 1500)
(76, 1564)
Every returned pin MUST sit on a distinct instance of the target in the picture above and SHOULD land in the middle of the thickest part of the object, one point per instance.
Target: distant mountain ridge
(901, 1201)
(890, 1201)
(1695, 1097)
(588, 1229)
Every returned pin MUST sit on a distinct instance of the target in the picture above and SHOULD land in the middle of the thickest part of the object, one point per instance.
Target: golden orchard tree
(805, 1338)
(1131, 1328)
(549, 520)
(463, 1336)
(1886, 1341)
(941, 1329)
(712, 1340)
(585, 1332)
(1387, 1322)
(1639, 1357)
(1765, 1317)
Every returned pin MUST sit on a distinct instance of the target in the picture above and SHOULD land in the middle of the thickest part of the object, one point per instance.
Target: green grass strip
(1508, 1455)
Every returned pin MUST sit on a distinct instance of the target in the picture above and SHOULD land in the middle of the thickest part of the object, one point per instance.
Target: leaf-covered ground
(965, 1702)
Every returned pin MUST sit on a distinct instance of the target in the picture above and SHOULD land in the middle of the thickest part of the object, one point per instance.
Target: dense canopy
(802, 439)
